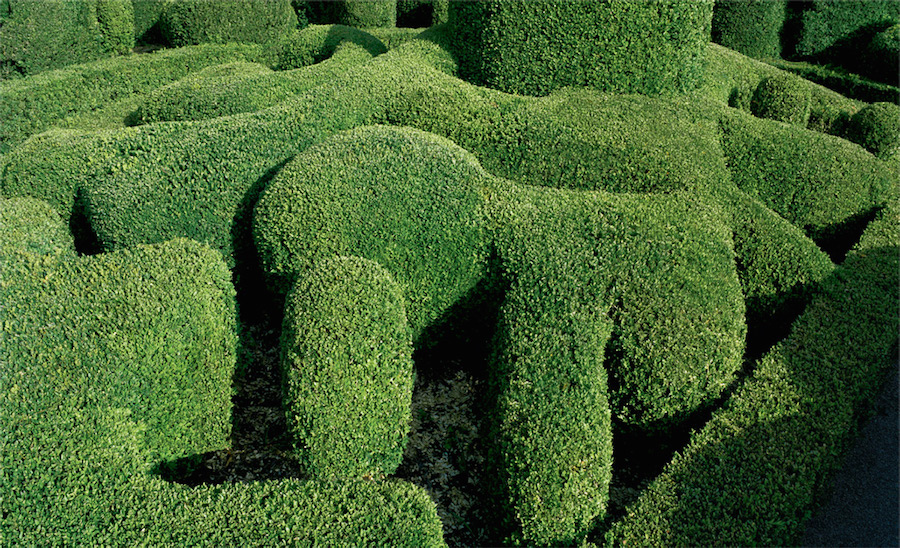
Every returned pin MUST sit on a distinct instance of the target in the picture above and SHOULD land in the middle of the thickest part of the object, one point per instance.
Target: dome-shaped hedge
(877, 128)
(783, 98)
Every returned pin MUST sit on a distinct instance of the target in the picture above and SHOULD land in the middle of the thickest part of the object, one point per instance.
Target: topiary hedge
(31, 225)
(37, 36)
(817, 182)
(187, 22)
(354, 13)
(753, 474)
(347, 360)
(32, 105)
(782, 98)
(877, 128)
(612, 45)
(398, 196)
(123, 362)
(825, 23)
(317, 43)
(751, 27)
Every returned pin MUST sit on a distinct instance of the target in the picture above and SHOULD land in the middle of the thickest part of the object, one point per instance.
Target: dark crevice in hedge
(837, 239)
(86, 241)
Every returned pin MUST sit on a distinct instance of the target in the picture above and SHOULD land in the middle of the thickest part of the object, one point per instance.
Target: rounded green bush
(784, 98)
(31, 225)
(186, 22)
(399, 196)
(877, 128)
(354, 13)
(347, 357)
(316, 43)
(882, 58)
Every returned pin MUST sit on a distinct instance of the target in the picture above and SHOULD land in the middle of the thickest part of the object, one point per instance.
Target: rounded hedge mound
(186, 22)
(316, 43)
(347, 357)
(406, 199)
(31, 225)
(784, 98)
(354, 13)
(877, 128)
(882, 57)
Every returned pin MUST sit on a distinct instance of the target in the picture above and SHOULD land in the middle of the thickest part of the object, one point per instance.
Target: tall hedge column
(532, 48)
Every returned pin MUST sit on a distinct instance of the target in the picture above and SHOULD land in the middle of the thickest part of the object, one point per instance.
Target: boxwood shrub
(753, 473)
(406, 199)
(783, 98)
(188, 22)
(751, 27)
(825, 23)
(37, 36)
(123, 362)
(347, 357)
(354, 13)
(877, 128)
(612, 45)
(818, 182)
(33, 226)
(31, 105)
(317, 43)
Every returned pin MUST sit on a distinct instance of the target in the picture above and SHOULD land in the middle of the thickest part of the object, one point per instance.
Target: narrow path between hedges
(864, 505)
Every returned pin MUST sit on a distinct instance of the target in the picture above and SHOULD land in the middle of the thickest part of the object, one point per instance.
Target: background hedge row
(612, 45)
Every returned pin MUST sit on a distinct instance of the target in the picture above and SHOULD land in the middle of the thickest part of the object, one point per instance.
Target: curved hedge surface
(827, 22)
(33, 226)
(32, 105)
(753, 473)
(406, 199)
(187, 22)
(131, 367)
(612, 45)
(782, 98)
(817, 182)
(347, 360)
(37, 36)
(317, 43)
(877, 128)
(354, 13)
(751, 27)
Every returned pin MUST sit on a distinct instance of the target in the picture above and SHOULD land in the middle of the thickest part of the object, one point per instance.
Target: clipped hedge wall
(782, 98)
(347, 357)
(32, 105)
(752, 475)
(37, 36)
(125, 362)
(422, 13)
(825, 23)
(354, 13)
(817, 182)
(317, 43)
(187, 22)
(612, 45)
(406, 199)
(751, 27)
(32, 225)
(877, 128)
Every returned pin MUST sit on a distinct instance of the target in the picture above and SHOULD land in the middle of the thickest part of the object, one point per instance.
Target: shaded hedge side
(751, 476)
(751, 27)
(38, 36)
(190, 22)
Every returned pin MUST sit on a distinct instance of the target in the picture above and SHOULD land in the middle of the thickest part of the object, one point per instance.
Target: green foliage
(31, 225)
(347, 357)
(782, 98)
(751, 27)
(877, 128)
(186, 22)
(32, 105)
(123, 361)
(672, 349)
(778, 265)
(354, 13)
(146, 19)
(882, 57)
(398, 196)
(825, 23)
(37, 36)
(817, 182)
(317, 43)
(116, 21)
(614, 45)
(752, 474)
(422, 13)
